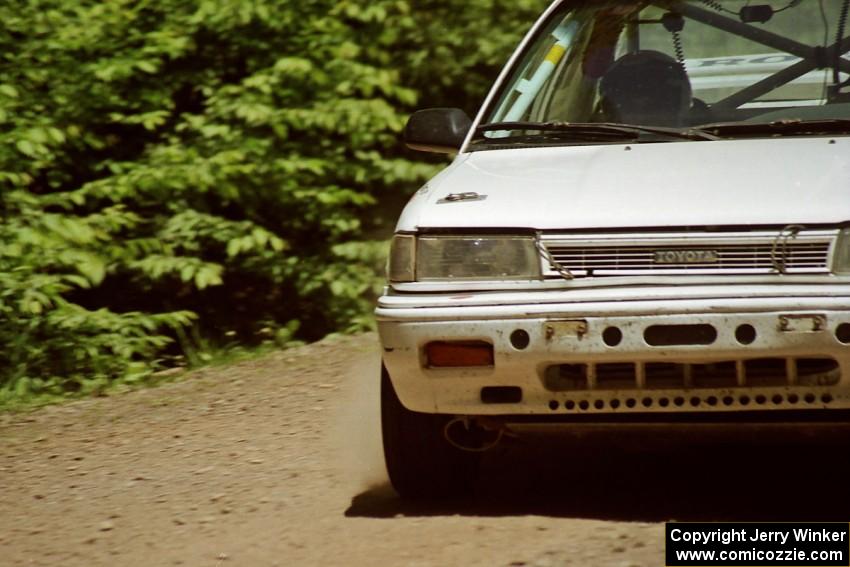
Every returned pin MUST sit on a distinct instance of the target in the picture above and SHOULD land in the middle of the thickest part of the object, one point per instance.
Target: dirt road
(277, 462)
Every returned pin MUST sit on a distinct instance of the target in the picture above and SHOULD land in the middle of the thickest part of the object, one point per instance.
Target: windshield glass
(678, 65)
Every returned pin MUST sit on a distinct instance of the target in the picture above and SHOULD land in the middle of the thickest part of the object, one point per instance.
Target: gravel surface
(277, 461)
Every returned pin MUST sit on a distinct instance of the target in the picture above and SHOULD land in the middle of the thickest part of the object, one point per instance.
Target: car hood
(676, 184)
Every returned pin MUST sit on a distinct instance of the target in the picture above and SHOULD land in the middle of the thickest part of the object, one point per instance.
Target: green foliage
(182, 174)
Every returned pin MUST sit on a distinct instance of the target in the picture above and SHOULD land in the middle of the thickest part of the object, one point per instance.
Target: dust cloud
(357, 432)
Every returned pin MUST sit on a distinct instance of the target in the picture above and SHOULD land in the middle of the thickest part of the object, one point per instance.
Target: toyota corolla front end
(648, 220)
(666, 323)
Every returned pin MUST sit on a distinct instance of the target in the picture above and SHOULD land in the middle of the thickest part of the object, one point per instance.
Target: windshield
(677, 65)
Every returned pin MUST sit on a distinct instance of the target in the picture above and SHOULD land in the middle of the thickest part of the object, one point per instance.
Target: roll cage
(807, 58)
(812, 57)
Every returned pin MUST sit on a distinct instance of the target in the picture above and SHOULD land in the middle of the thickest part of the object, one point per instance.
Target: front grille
(691, 253)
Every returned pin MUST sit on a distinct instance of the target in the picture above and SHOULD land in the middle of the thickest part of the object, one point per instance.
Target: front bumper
(796, 353)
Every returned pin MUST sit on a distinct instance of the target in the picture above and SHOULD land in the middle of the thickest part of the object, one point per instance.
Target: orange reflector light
(458, 354)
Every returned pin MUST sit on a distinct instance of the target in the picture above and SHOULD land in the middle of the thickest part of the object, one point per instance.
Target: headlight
(841, 262)
(449, 258)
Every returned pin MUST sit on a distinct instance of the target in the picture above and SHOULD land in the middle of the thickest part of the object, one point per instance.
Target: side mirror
(440, 130)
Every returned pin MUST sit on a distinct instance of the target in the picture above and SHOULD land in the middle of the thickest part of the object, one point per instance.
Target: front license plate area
(802, 323)
(573, 328)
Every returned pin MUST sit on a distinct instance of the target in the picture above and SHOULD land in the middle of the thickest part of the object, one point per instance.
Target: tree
(206, 170)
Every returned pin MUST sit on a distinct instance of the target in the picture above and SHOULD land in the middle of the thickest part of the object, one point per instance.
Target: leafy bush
(210, 171)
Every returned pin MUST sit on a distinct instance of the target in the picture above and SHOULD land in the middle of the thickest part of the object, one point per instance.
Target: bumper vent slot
(678, 335)
(566, 378)
(665, 375)
(764, 372)
(616, 376)
(501, 395)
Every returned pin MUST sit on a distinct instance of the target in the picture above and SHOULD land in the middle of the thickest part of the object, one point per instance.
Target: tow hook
(476, 434)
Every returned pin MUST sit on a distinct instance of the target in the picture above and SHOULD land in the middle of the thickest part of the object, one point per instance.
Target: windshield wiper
(589, 130)
(794, 126)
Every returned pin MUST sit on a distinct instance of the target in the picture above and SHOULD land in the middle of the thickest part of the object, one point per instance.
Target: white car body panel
(612, 190)
(736, 182)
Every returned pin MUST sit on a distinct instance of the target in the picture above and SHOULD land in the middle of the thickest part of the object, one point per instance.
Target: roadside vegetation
(185, 177)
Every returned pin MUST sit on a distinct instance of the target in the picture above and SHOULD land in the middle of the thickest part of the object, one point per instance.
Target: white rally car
(648, 221)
